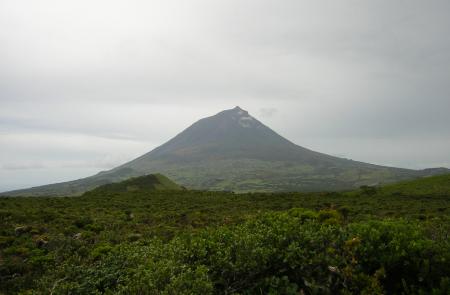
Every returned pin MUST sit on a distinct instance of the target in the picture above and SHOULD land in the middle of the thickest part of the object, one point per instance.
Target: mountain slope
(234, 151)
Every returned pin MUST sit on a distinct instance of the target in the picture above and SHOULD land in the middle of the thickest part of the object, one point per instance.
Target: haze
(88, 85)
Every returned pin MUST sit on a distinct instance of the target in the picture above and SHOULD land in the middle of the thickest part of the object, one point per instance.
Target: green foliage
(426, 186)
(368, 190)
(141, 183)
(197, 242)
(277, 253)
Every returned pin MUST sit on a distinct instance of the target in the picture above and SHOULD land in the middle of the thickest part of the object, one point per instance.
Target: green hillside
(151, 182)
(129, 238)
(426, 186)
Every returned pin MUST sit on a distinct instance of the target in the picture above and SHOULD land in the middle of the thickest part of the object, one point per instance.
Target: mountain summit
(234, 151)
(230, 134)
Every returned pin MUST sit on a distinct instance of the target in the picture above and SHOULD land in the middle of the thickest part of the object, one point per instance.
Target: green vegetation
(117, 239)
(427, 186)
(151, 182)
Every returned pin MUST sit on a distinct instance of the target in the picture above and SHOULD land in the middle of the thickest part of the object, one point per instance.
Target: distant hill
(234, 151)
(151, 182)
(427, 186)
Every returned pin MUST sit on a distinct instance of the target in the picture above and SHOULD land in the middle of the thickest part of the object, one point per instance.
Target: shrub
(276, 253)
(100, 250)
(83, 221)
(368, 190)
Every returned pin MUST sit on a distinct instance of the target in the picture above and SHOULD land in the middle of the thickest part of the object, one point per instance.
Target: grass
(427, 186)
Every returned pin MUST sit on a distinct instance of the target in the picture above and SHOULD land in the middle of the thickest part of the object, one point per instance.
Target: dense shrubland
(280, 253)
(382, 242)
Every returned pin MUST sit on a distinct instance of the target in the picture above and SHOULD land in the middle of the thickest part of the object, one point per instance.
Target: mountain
(234, 151)
(151, 182)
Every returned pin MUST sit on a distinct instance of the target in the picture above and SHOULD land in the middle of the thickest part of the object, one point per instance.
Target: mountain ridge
(232, 150)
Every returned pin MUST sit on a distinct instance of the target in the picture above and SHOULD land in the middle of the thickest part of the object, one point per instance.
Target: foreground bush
(296, 252)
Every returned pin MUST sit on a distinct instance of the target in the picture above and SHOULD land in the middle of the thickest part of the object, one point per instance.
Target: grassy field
(376, 240)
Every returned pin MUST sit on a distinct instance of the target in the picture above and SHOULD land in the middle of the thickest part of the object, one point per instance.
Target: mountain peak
(236, 110)
(242, 117)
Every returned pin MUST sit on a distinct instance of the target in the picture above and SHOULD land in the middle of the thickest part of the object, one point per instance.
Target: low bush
(278, 253)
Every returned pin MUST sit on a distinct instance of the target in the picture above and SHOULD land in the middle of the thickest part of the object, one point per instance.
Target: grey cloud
(18, 166)
(268, 112)
(83, 81)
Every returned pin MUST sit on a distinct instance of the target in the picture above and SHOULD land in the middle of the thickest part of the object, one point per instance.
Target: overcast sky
(88, 85)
